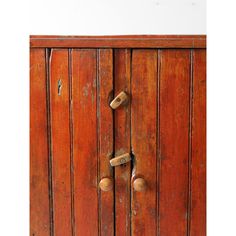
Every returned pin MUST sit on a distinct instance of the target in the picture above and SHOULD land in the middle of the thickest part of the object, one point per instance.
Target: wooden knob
(140, 185)
(106, 184)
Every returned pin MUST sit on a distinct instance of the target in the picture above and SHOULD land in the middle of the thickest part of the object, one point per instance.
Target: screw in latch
(59, 86)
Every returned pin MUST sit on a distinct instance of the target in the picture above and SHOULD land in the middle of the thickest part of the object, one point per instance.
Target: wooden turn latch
(120, 99)
(119, 160)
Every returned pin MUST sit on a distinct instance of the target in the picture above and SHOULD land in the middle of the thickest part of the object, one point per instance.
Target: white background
(123, 17)
(117, 17)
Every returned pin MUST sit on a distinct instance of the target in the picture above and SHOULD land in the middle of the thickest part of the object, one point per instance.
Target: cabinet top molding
(121, 41)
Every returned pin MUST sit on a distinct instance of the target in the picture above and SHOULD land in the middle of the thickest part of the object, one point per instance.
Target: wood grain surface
(143, 140)
(74, 133)
(174, 141)
(85, 142)
(39, 176)
(105, 133)
(122, 41)
(60, 130)
(198, 163)
(122, 79)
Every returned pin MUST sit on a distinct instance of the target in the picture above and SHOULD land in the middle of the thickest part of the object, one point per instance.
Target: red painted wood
(128, 41)
(85, 142)
(76, 133)
(143, 139)
(198, 177)
(174, 141)
(105, 133)
(39, 177)
(60, 142)
(122, 77)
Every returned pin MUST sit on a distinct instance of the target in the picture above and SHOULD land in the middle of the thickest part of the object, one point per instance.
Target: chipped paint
(85, 89)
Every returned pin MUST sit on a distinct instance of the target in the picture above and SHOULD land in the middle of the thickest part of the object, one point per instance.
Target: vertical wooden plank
(198, 178)
(105, 133)
(39, 188)
(174, 141)
(60, 134)
(143, 139)
(84, 115)
(122, 143)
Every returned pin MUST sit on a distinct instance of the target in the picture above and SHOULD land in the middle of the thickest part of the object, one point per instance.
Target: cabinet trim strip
(122, 41)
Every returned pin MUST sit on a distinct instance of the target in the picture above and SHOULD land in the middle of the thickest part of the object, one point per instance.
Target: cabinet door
(74, 133)
(71, 142)
(168, 142)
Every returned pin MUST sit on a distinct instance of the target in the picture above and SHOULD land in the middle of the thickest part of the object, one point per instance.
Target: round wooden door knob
(106, 184)
(140, 185)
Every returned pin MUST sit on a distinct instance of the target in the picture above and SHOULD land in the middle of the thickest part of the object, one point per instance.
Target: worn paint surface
(39, 176)
(75, 133)
(85, 141)
(143, 140)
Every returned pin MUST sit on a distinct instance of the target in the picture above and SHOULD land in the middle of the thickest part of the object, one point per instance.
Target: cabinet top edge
(118, 41)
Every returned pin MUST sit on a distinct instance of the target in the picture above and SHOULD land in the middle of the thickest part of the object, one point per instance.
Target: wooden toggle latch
(119, 160)
(121, 98)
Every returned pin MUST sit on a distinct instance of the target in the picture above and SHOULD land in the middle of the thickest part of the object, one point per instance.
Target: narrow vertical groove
(130, 170)
(71, 142)
(132, 161)
(190, 145)
(156, 136)
(158, 140)
(113, 127)
(50, 181)
(98, 140)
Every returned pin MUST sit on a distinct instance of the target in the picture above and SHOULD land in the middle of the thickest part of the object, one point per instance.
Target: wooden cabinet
(159, 186)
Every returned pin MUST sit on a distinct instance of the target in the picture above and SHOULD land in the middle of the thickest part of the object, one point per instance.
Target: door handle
(119, 160)
(121, 98)
(140, 185)
(106, 184)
